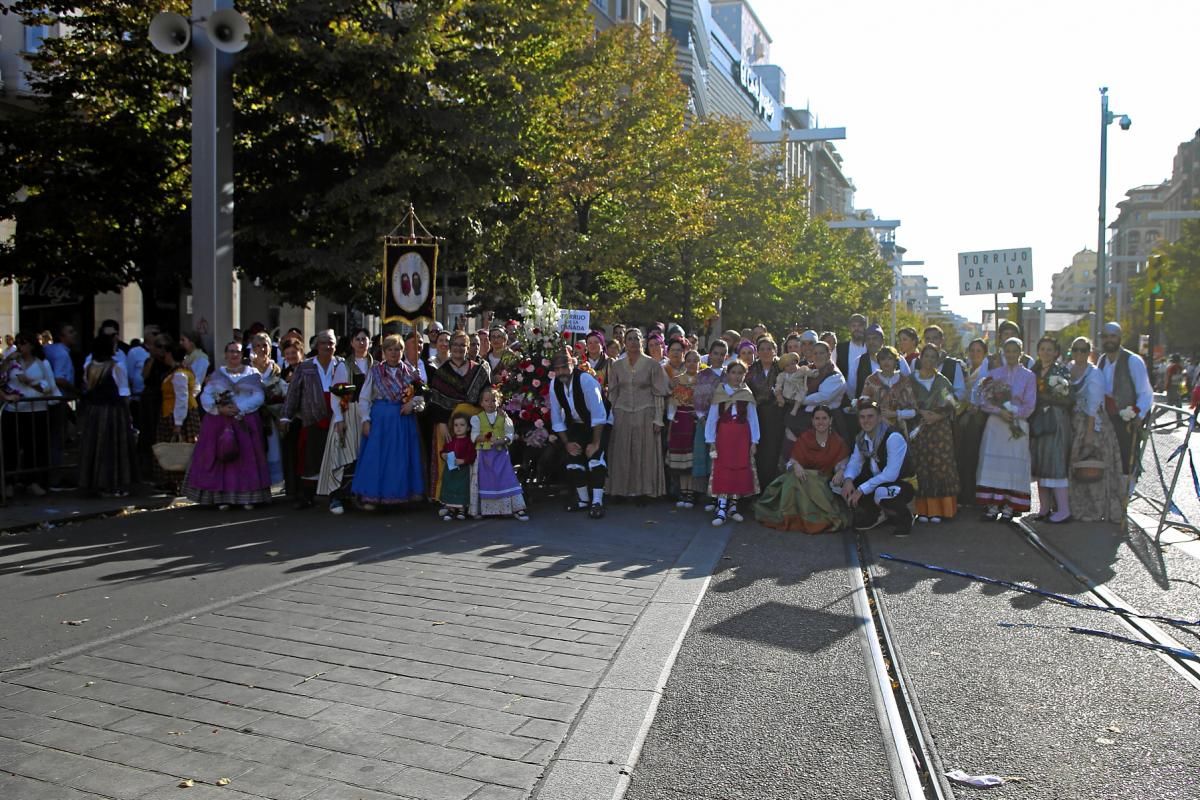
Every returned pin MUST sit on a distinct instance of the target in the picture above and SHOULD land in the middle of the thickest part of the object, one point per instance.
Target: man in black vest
(1128, 395)
(579, 415)
(877, 479)
(950, 367)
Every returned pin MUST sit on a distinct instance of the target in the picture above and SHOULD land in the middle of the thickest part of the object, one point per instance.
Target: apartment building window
(622, 9)
(656, 25)
(35, 35)
(643, 12)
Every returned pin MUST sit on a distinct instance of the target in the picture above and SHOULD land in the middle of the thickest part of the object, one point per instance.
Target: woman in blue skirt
(389, 469)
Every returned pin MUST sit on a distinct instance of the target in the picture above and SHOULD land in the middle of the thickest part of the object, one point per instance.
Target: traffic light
(1156, 304)
(1154, 275)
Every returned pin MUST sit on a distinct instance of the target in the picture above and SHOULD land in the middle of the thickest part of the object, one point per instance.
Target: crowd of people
(805, 431)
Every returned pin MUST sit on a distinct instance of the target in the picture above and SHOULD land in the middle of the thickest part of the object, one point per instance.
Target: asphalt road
(116, 574)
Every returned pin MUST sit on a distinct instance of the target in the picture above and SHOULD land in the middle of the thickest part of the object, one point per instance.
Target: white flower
(1010, 406)
(1127, 413)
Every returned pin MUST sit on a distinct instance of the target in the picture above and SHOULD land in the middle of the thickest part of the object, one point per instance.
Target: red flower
(537, 331)
(487, 437)
(525, 415)
(545, 390)
(567, 335)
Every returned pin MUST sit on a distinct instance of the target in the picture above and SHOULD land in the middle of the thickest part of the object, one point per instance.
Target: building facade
(1184, 192)
(1074, 288)
(1134, 237)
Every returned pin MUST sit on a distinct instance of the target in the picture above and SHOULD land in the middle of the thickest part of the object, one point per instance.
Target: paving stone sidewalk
(453, 672)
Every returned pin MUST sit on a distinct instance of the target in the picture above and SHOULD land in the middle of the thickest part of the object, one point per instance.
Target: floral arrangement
(998, 393)
(527, 382)
(1128, 413)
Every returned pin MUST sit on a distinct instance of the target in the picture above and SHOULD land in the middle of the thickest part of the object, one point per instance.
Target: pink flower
(537, 423)
(545, 362)
(530, 368)
(536, 383)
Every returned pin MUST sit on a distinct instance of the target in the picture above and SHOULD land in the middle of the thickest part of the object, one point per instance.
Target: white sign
(996, 271)
(574, 321)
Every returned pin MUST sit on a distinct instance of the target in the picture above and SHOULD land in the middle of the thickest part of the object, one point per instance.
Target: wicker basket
(173, 456)
(1088, 471)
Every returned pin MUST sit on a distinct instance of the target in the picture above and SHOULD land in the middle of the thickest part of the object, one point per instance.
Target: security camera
(1125, 122)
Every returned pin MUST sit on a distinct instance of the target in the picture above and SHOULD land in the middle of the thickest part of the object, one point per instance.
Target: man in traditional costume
(579, 416)
(311, 403)
(878, 478)
(1128, 395)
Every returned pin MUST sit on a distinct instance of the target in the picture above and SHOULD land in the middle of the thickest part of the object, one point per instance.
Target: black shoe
(596, 511)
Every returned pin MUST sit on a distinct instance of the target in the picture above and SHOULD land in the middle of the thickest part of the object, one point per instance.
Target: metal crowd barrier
(1164, 418)
(34, 442)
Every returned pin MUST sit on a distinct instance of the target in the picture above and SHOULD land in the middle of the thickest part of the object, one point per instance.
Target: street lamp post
(213, 34)
(1106, 118)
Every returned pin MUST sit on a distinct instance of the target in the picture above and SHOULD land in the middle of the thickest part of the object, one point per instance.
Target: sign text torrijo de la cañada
(996, 271)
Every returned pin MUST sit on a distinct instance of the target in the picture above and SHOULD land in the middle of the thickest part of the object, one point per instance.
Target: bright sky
(977, 124)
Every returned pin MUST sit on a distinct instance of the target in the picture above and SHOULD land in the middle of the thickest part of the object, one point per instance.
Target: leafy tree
(96, 177)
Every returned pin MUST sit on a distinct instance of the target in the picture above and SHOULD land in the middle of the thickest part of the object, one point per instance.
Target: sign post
(994, 272)
(577, 321)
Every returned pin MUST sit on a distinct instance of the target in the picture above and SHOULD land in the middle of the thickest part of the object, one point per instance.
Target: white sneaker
(710, 507)
(336, 507)
(681, 504)
(922, 518)
(718, 522)
(736, 516)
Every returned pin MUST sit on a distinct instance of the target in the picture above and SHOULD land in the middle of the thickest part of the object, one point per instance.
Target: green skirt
(788, 504)
(456, 487)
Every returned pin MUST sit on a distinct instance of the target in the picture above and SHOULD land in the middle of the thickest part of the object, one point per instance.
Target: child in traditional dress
(459, 453)
(792, 387)
(495, 490)
(731, 431)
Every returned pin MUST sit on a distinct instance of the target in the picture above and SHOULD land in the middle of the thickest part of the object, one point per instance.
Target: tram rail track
(917, 770)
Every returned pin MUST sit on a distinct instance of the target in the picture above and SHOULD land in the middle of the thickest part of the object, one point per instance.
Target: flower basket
(1088, 471)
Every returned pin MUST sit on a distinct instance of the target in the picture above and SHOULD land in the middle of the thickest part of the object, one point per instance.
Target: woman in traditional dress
(274, 392)
(341, 452)
(454, 387)
(495, 490)
(702, 391)
(732, 433)
(968, 431)
(107, 442)
(597, 357)
(891, 390)
(1050, 433)
(1008, 397)
(637, 390)
(1094, 444)
(179, 413)
(760, 380)
(801, 499)
(229, 464)
(390, 468)
(439, 349)
(681, 425)
(747, 353)
(932, 440)
(195, 358)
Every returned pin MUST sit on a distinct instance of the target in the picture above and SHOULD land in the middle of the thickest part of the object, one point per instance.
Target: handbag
(228, 448)
(173, 456)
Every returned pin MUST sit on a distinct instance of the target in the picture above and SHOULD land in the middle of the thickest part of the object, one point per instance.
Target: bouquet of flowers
(998, 393)
(527, 382)
(344, 392)
(1128, 413)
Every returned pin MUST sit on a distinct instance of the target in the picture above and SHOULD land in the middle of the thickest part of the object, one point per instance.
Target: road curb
(150, 504)
(598, 755)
